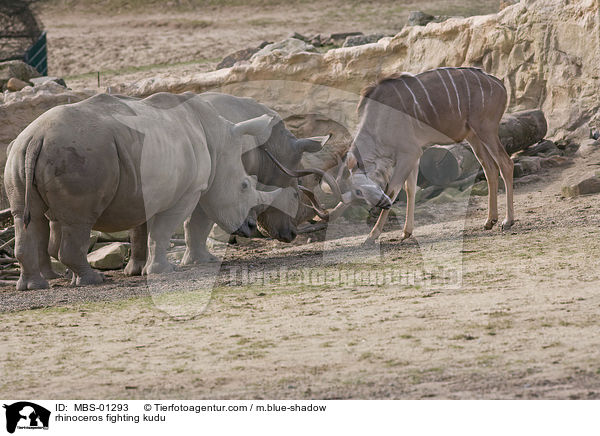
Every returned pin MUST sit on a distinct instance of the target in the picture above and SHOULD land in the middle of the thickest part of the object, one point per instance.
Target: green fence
(37, 55)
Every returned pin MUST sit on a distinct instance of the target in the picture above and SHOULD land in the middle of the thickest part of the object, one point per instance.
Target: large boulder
(17, 69)
(591, 185)
(18, 109)
(111, 256)
(15, 84)
(36, 81)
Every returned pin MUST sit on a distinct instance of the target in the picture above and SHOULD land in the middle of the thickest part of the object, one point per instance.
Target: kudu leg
(405, 167)
(410, 186)
(491, 172)
(506, 165)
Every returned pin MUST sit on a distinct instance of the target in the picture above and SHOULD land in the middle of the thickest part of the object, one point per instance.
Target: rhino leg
(26, 251)
(139, 244)
(74, 244)
(43, 252)
(197, 229)
(160, 229)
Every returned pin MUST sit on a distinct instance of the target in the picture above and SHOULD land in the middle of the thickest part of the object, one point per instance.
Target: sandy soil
(128, 43)
(522, 322)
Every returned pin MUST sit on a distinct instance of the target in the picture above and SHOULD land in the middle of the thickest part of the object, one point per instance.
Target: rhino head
(233, 193)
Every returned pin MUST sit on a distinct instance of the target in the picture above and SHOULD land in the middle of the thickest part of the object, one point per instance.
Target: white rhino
(112, 163)
(281, 146)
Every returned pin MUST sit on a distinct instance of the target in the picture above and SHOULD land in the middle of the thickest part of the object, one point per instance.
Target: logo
(26, 415)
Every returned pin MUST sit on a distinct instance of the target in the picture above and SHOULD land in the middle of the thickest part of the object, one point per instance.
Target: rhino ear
(260, 127)
(312, 144)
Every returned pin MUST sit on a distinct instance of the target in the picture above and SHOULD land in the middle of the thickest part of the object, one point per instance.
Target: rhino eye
(358, 192)
(245, 184)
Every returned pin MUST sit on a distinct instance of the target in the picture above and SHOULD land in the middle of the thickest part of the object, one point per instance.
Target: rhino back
(280, 143)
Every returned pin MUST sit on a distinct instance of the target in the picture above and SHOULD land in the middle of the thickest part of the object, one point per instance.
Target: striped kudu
(403, 113)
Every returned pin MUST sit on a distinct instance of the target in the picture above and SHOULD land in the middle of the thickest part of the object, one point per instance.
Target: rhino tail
(31, 156)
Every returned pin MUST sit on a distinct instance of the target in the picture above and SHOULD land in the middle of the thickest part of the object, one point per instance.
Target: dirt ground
(127, 41)
(454, 312)
(522, 322)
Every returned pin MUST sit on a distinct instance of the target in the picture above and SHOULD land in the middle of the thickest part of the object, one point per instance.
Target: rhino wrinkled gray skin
(113, 163)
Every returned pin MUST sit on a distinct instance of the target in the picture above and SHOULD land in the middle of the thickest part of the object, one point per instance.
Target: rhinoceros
(113, 163)
(275, 162)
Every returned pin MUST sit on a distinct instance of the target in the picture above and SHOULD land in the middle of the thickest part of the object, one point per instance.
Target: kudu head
(357, 186)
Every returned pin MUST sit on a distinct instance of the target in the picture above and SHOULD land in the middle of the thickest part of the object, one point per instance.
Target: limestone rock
(554, 161)
(112, 237)
(550, 76)
(543, 148)
(587, 186)
(41, 80)
(419, 18)
(18, 109)
(240, 55)
(111, 256)
(588, 147)
(530, 164)
(353, 41)
(15, 84)
(17, 69)
(286, 47)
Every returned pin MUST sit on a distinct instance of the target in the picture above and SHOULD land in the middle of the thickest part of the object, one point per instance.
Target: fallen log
(443, 164)
(519, 130)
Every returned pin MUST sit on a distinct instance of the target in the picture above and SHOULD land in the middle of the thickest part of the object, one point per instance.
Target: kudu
(401, 114)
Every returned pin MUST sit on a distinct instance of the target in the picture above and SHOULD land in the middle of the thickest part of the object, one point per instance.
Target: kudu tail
(31, 156)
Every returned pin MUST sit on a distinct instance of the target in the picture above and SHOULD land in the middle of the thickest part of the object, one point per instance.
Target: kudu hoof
(489, 224)
(369, 242)
(405, 235)
(506, 225)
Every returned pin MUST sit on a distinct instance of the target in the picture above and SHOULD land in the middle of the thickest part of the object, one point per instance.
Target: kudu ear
(312, 144)
(259, 127)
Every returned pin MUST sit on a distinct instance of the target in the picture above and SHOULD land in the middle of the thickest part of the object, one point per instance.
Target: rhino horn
(312, 144)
